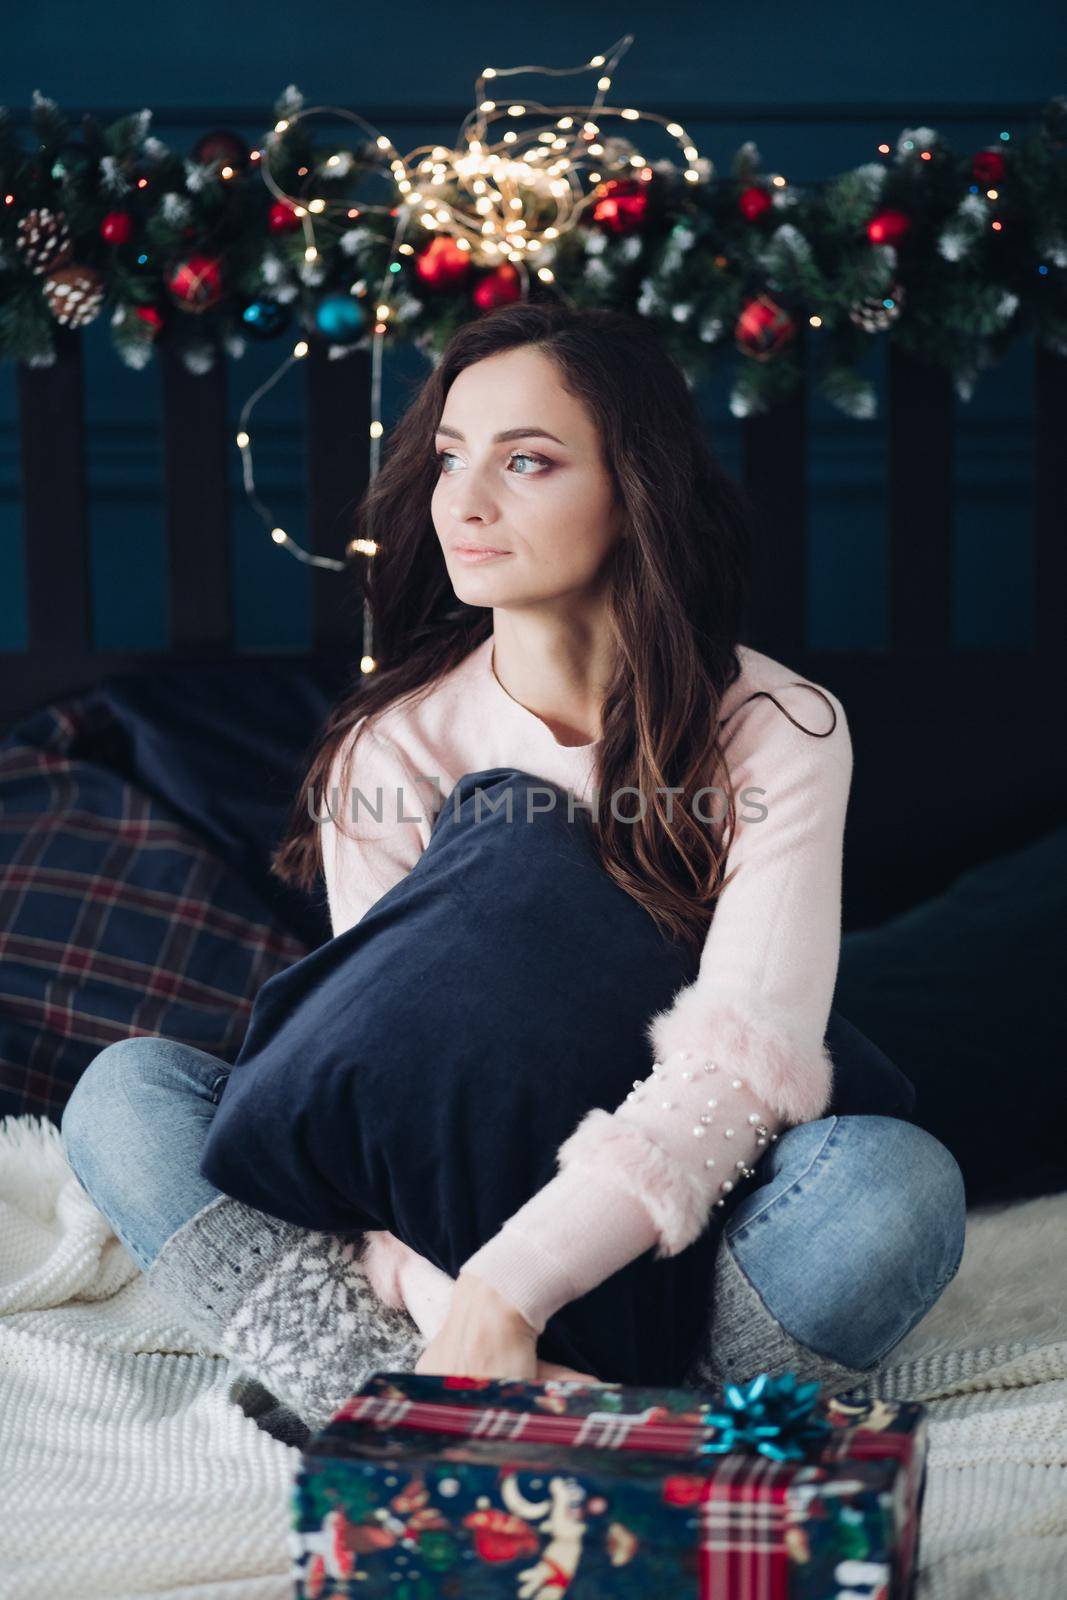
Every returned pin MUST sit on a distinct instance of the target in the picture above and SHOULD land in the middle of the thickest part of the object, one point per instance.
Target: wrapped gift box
(426, 1486)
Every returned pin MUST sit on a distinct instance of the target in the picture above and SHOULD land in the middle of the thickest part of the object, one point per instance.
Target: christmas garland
(952, 256)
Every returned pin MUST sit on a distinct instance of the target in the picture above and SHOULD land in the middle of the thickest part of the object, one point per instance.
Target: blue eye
(516, 455)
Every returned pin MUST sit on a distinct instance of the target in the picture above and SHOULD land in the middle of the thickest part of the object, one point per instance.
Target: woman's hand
(482, 1336)
(485, 1336)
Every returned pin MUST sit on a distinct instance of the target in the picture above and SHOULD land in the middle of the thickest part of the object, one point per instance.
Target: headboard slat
(774, 454)
(337, 410)
(196, 445)
(55, 504)
(919, 478)
(1050, 502)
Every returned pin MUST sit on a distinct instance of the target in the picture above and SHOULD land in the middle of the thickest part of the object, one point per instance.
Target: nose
(469, 497)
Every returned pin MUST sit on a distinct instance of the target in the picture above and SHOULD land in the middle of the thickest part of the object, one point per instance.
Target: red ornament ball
(281, 218)
(763, 327)
(221, 148)
(442, 264)
(621, 204)
(988, 166)
(888, 226)
(753, 202)
(195, 284)
(117, 227)
(500, 288)
(151, 315)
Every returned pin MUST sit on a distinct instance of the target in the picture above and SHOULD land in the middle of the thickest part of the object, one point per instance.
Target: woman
(551, 475)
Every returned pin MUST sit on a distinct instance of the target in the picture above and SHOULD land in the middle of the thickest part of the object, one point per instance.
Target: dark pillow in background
(136, 825)
(966, 994)
(225, 747)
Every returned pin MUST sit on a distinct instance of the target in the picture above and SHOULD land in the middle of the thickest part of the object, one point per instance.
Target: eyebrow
(509, 433)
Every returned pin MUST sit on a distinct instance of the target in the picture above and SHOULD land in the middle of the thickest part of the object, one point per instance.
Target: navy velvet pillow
(419, 1072)
(965, 993)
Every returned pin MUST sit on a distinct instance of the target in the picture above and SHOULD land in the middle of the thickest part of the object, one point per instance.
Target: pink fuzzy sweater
(739, 1053)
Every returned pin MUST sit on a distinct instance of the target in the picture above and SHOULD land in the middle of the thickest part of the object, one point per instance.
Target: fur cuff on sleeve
(793, 1079)
(677, 1201)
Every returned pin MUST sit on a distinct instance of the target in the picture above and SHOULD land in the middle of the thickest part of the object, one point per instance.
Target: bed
(140, 798)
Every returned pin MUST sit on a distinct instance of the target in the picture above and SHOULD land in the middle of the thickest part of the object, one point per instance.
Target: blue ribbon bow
(773, 1416)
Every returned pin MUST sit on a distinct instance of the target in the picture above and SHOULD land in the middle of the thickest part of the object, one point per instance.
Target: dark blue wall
(817, 87)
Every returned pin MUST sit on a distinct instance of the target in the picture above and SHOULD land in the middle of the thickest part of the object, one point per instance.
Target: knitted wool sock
(743, 1338)
(290, 1306)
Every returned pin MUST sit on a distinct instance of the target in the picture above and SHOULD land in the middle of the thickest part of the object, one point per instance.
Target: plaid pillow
(116, 917)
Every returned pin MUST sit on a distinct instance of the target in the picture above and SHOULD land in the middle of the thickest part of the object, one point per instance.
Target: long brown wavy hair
(678, 586)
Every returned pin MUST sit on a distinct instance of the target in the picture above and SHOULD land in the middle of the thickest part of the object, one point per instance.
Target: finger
(552, 1369)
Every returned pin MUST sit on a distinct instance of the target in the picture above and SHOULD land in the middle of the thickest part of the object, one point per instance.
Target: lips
(478, 549)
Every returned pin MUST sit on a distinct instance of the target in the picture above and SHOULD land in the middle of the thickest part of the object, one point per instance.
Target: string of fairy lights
(502, 203)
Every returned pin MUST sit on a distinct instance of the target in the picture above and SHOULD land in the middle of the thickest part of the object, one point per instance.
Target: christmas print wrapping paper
(426, 1486)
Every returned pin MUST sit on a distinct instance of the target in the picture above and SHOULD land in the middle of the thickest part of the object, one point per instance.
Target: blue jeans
(850, 1231)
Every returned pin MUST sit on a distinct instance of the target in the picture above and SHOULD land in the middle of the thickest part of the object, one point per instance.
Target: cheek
(588, 520)
(437, 508)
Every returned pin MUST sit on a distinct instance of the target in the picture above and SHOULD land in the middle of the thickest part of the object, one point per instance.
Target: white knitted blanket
(128, 1470)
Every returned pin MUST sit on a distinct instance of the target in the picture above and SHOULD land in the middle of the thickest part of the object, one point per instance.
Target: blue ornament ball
(265, 319)
(340, 318)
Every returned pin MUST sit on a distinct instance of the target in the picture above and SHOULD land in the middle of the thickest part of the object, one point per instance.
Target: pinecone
(873, 315)
(43, 238)
(74, 294)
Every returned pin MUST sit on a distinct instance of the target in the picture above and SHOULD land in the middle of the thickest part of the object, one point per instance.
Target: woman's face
(548, 504)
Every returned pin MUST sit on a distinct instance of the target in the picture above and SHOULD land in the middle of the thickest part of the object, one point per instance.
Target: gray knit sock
(291, 1307)
(742, 1338)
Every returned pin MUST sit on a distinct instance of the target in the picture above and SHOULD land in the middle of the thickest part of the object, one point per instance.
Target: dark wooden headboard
(958, 754)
